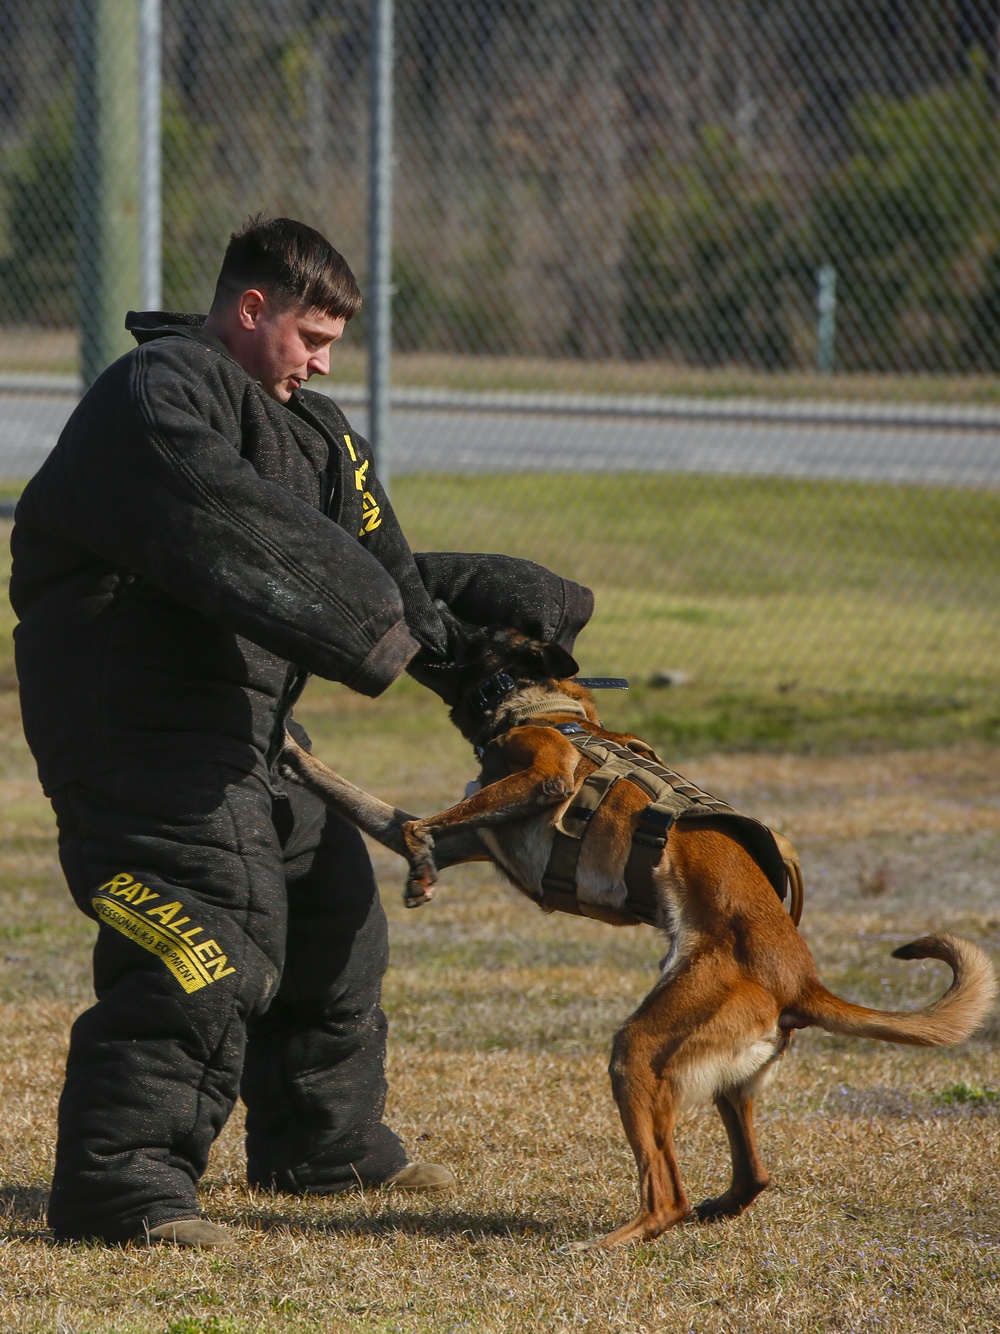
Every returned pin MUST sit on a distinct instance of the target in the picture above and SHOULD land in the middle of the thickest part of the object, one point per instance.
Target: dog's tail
(951, 1018)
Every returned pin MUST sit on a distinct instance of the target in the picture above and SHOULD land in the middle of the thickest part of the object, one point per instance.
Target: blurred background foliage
(654, 180)
(625, 198)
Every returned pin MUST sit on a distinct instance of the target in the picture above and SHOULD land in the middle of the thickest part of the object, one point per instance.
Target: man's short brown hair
(292, 264)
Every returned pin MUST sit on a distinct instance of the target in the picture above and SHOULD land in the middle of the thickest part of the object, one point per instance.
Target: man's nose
(319, 362)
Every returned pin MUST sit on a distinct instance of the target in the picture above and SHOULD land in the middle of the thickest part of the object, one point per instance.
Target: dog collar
(495, 690)
(491, 692)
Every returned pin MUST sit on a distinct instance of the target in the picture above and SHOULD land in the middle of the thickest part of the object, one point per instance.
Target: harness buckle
(653, 828)
(657, 816)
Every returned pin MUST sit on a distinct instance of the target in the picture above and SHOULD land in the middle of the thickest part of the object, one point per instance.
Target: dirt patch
(953, 791)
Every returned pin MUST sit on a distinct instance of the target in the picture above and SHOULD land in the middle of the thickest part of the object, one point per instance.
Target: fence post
(380, 236)
(826, 324)
(151, 207)
(106, 152)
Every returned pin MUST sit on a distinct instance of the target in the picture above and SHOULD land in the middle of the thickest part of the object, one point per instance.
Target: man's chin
(283, 390)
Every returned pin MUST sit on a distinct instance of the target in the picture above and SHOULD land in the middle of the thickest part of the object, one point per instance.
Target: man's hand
(444, 675)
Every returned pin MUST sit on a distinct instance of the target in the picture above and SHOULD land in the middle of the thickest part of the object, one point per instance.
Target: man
(205, 534)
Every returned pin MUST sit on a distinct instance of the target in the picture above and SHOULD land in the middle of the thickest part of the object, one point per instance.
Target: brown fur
(738, 977)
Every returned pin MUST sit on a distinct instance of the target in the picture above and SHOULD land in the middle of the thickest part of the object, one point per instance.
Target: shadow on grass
(451, 1223)
(22, 1214)
(23, 1210)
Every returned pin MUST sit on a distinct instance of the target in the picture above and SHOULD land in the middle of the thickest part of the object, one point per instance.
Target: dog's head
(499, 662)
(491, 663)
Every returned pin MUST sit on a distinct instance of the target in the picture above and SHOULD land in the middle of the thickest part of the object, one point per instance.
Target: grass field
(803, 614)
(885, 1208)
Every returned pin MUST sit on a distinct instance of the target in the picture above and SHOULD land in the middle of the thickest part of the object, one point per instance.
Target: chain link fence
(700, 302)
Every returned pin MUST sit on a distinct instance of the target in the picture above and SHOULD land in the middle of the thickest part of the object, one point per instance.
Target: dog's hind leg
(646, 1101)
(750, 1176)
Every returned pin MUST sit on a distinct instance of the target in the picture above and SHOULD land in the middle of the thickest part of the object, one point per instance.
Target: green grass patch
(692, 721)
(968, 1095)
(803, 615)
(686, 541)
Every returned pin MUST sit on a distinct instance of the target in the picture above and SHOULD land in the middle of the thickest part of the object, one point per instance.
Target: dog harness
(673, 800)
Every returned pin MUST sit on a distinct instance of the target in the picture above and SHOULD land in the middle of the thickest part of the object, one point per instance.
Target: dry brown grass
(884, 1212)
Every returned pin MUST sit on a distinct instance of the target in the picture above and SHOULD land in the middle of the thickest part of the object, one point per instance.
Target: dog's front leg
(547, 778)
(383, 822)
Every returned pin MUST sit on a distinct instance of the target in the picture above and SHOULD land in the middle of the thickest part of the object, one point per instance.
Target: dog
(563, 808)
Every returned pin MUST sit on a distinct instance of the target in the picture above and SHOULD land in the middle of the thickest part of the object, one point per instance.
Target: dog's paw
(417, 893)
(719, 1208)
(576, 1247)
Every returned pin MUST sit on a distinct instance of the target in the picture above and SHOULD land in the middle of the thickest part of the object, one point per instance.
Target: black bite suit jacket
(192, 550)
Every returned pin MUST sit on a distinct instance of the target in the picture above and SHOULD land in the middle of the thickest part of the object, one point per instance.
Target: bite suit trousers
(241, 947)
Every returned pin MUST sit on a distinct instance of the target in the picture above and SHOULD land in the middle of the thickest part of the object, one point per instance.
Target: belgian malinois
(737, 978)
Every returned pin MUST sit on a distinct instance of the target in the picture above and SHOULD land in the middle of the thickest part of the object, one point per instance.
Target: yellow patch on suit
(158, 928)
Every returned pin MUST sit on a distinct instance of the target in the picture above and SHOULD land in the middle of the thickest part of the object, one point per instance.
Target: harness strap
(648, 842)
(560, 873)
(672, 797)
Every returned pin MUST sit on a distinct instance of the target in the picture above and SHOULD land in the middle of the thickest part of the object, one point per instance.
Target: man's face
(287, 346)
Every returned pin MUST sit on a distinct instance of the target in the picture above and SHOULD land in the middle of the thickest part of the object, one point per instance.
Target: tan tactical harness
(673, 800)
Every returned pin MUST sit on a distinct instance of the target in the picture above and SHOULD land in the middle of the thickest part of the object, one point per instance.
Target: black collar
(497, 688)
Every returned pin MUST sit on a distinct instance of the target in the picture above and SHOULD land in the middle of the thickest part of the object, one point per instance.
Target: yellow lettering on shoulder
(360, 475)
(350, 449)
(371, 515)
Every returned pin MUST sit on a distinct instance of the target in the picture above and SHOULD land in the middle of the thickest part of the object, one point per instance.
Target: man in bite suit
(207, 533)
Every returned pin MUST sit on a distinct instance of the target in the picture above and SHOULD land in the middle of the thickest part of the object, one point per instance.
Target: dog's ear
(558, 662)
(547, 660)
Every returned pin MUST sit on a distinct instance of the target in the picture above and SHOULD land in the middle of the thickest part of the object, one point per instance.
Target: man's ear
(250, 307)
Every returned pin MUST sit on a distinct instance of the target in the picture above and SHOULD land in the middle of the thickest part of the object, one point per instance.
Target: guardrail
(781, 412)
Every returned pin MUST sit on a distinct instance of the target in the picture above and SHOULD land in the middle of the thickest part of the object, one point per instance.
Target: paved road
(438, 440)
